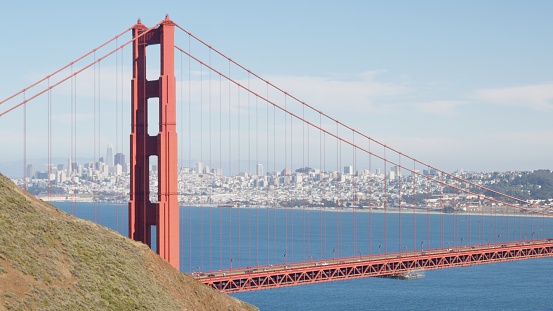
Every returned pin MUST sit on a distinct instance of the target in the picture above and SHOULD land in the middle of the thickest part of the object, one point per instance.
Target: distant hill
(536, 185)
(50, 260)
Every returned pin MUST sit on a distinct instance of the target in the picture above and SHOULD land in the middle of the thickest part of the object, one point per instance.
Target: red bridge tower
(143, 214)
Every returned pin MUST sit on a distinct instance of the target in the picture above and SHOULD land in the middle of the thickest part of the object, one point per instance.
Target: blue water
(211, 237)
(522, 285)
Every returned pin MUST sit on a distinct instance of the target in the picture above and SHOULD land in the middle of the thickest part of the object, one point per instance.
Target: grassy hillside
(50, 260)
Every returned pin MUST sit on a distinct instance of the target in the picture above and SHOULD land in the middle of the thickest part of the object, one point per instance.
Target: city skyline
(459, 86)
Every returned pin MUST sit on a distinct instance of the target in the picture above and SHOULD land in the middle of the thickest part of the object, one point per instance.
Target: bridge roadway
(316, 271)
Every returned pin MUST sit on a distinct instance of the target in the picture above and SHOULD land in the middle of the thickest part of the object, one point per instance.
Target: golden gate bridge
(283, 193)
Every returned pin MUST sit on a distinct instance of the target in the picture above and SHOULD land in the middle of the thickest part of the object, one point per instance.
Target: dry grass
(50, 260)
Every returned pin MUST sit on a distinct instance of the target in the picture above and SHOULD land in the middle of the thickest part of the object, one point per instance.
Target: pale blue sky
(457, 84)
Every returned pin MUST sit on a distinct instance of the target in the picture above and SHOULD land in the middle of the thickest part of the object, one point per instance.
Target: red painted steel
(143, 214)
(414, 171)
(164, 213)
(265, 277)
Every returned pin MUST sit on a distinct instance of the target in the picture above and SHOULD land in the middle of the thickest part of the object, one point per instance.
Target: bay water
(215, 238)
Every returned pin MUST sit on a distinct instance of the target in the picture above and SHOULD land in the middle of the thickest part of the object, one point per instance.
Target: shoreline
(391, 210)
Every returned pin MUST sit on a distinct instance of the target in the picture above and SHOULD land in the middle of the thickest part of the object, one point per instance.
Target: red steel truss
(143, 214)
(379, 265)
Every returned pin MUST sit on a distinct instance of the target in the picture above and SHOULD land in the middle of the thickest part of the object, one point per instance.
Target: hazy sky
(457, 84)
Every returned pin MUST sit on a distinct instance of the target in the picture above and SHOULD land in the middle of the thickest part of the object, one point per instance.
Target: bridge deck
(264, 277)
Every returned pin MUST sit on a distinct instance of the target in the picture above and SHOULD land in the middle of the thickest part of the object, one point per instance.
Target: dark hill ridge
(50, 260)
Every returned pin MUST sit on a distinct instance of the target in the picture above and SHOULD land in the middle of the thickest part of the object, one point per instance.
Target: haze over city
(458, 85)
(294, 155)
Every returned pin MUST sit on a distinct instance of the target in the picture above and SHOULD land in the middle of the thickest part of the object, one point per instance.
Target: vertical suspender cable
(458, 218)
(49, 164)
(339, 194)
(442, 229)
(97, 208)
(190, 254)
(321, 189)
(238, 172)
(480, 233)
(210, 173)
(220, 175)
(481, 226)
(502, 213)
(510, 210)
(543, 229)
(286, 177)
(267, 185)
(398, 173)
(372, 184)
(230, 158)
(385, 200)
(310, 197)
(72, 161)
(290, 187)
(453, 202)
(324, 195)
(307, 171)
(96, 187)
(258, 178)
(201, 168)
(117, 103)
(25, 170)
(414, 205)
(427, 207)
(75, 129)
(355, 198)
(276, 181)
(467, 226)
(238, 157)
(250, 173)
(336, 180)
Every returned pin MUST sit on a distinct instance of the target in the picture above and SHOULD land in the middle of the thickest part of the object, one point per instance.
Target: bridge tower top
(144, 215)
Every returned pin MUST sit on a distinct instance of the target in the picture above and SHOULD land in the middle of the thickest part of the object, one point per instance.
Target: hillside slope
(50, 260)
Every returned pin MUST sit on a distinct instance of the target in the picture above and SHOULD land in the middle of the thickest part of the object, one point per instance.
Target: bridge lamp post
(533, 236)
(462, 241)
(231, 260)
(379, 246)
(448, 247)
(405, 249)
(333, 254)
(257, 263)
(488, 241)
(524, 236)
(422, 242)
(284, 258)
(498, 237)
(359, 255)
(310, 258)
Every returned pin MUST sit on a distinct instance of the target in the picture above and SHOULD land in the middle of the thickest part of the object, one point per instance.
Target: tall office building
(259, 169)
(286, 171)
(109, 156)
(348, 170)
(396, 170)
(199, 168)
(120, 159)
(30, 171)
